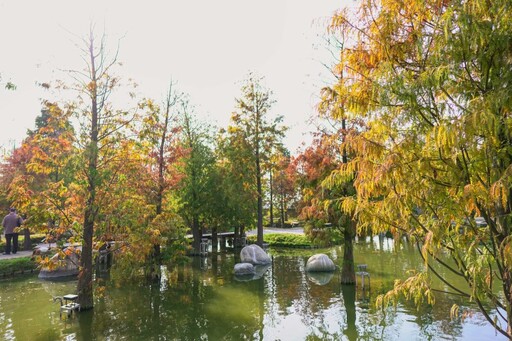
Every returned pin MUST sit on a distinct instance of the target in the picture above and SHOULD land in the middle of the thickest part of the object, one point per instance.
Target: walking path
(18, 254)
(294, 230)
(22, 253)
(25, 253)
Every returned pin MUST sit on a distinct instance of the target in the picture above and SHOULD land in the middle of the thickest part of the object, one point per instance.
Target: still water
(203, 301)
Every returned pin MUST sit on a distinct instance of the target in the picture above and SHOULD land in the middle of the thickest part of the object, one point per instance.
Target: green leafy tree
(253, 134)
(234, 168)
(432, 80)
(196, 185)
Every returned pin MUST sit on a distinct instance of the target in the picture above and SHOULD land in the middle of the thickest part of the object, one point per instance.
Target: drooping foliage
(431, 80)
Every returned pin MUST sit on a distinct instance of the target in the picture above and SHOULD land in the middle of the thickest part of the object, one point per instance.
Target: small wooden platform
(70, 305)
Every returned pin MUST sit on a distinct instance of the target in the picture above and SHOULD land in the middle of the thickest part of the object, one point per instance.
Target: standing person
(10, 222)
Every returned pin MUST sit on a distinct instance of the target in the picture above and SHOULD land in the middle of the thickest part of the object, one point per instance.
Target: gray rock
(66, 267)
(320, 263)
(242, 269)
(255, 255)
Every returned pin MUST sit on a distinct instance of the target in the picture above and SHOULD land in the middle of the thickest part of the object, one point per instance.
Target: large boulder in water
(255, 255)
(65, 267)
(243, 269)
(320, 263)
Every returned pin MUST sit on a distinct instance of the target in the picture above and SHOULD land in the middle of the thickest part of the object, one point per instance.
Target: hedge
(284, 240)
(16, 266)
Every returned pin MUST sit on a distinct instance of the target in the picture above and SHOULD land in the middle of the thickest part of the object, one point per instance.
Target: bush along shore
(291, 240)
(17, 266)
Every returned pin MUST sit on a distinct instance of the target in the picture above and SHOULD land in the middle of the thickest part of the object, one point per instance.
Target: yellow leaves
(349, 205)
(416, 288)
(499, 193)
(427, 244)
(454, 311)
(446, 137)
(506, 251)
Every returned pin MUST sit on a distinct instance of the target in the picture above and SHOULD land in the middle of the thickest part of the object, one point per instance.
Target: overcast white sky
(208, 47)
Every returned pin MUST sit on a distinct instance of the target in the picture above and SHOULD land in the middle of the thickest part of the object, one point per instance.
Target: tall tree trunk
(85, 291)
(84, 286)
(271, 199)
(348, 274)
(260, 199)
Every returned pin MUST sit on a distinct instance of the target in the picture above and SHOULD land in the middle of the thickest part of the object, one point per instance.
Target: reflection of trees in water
(348, 292)
(181, 310)
(292, 293)
(195, 303)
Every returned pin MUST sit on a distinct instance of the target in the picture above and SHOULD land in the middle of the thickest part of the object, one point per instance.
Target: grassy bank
(292, 240)
(15, 266)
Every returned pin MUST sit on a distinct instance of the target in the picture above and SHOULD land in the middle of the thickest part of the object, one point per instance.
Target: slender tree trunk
(215, 239)
(260, 199)
(271, 200)
(282, 211)
(348, 274)
(84, 286)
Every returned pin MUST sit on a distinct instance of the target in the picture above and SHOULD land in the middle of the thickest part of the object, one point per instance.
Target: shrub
(284, 240)
(17, 265)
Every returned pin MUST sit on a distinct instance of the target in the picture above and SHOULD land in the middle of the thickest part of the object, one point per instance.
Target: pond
(203, 301)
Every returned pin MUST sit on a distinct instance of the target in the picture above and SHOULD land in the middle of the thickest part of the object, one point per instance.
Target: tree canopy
(431, 80)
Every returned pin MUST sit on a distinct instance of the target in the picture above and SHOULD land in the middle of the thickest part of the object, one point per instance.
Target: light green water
(203, 301)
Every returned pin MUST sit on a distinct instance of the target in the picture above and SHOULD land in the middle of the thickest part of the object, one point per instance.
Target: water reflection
(320, 278)
(198, 302)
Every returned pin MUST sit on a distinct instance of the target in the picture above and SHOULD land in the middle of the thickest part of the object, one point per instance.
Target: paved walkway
(295, 230)
(22, 253)
(18, 254)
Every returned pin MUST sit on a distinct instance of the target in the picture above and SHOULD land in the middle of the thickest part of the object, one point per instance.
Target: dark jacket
(10, 222)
